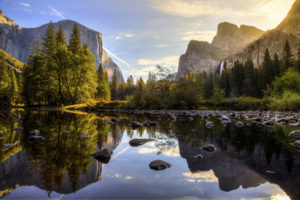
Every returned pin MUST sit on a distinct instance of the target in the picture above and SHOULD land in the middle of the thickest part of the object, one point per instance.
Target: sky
(140, 34)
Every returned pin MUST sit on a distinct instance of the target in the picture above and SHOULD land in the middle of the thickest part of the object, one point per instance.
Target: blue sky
(140, 34)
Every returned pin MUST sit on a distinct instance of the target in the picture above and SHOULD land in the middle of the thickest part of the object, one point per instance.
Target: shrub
(290, 101)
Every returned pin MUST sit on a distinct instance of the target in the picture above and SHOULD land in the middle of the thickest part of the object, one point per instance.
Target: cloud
(25, 4)
(121, 36)
(167, 61)
(199, 35)
(269, 11)
(116, 57)
(55, 12)
(129, 35)
(207, 177)
(160, 45)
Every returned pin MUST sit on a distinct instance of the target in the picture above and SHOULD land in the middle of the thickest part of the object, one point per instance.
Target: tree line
(61, 74)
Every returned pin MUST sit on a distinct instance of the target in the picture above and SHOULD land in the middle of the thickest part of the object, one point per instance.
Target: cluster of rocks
(295, 135)
(260, 118)
(105, 154)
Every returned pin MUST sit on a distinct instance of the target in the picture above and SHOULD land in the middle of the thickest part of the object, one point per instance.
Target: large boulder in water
(159, 165)
(295, 134)
(139, 141)
(297, 144)
(103, 155)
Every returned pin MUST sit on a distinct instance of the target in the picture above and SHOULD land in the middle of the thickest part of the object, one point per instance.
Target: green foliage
(289, 101)
(218, 96)
(290, 81)
(103, 90)
(114, 86)
(287, 58)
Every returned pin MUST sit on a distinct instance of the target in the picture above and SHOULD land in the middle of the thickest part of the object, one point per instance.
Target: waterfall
(221, 68)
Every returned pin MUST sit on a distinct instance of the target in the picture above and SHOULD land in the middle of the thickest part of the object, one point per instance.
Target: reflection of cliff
(230, 172)
(18, 170)
(235, 169)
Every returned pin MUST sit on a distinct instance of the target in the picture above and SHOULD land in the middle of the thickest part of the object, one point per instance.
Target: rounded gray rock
(159, 165)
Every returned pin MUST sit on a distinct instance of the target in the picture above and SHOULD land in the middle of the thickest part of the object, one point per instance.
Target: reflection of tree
(103, 130)
(9, 136)
(64, 150)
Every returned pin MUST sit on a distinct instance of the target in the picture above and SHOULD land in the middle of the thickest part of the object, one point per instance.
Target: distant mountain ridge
(18, 41)
(233, 43)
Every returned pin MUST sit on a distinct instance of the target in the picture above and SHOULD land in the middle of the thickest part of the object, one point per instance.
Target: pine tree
(114, 86)
(107, 94)
(129, 87)
(287, 58)
(103, 91)
(74, 43)
(121, 92)
(237, 78)
(14, 90)
(60, 36)
(267, 68)
(276, 66)
(49, 41)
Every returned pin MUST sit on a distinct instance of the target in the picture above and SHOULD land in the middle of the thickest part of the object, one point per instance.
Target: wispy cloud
(116, 57)
(129, 35)
(123, 35)
(198, 35)
(55, 12)
(160, 45)
(25, 4)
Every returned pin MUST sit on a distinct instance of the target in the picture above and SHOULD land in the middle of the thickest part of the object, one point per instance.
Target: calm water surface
(249, 163)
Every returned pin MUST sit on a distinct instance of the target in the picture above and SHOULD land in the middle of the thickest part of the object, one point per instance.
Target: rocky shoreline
(268, 118)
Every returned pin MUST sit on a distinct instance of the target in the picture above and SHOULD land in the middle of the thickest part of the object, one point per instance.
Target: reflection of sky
(128, 175)
(144, 33)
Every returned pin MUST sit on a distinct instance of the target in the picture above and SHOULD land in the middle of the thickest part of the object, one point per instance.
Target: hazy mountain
(18, 41)
(233, 43)
(205, 56)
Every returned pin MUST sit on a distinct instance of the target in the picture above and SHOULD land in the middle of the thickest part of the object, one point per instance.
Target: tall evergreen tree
(107, 94)
(114, 86)
(121, 91)
(60, 36)
(4, 81)
(276, 65)
(103, 90)
(287, 58)
(267, 68)
(237, 78)
(49, 40)
(74, 43)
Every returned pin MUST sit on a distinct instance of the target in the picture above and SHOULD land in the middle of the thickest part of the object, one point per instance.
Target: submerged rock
(209, 124)
(159, 165)
(34, 132)
(139, 141)
(36, 138)
(239, 124)
(103, 155)
(295, 134)
(210, 147)
(84, 136)
(19, 129)
(297, 144)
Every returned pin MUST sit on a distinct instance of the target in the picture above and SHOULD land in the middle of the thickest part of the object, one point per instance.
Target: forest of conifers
(61, 74)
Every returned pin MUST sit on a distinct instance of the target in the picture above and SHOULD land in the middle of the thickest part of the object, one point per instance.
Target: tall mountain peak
(232, 38)
(291, 24)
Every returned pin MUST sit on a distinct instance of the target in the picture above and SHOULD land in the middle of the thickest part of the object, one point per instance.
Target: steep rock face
(18, 41)
(291, 24)
(199, 56)
(202, 56)
(231, 38)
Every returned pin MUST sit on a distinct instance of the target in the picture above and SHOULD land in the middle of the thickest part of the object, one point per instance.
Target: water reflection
(247, 158)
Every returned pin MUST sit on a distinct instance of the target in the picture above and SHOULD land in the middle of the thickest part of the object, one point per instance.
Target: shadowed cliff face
(202, 56)
(19, 42)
